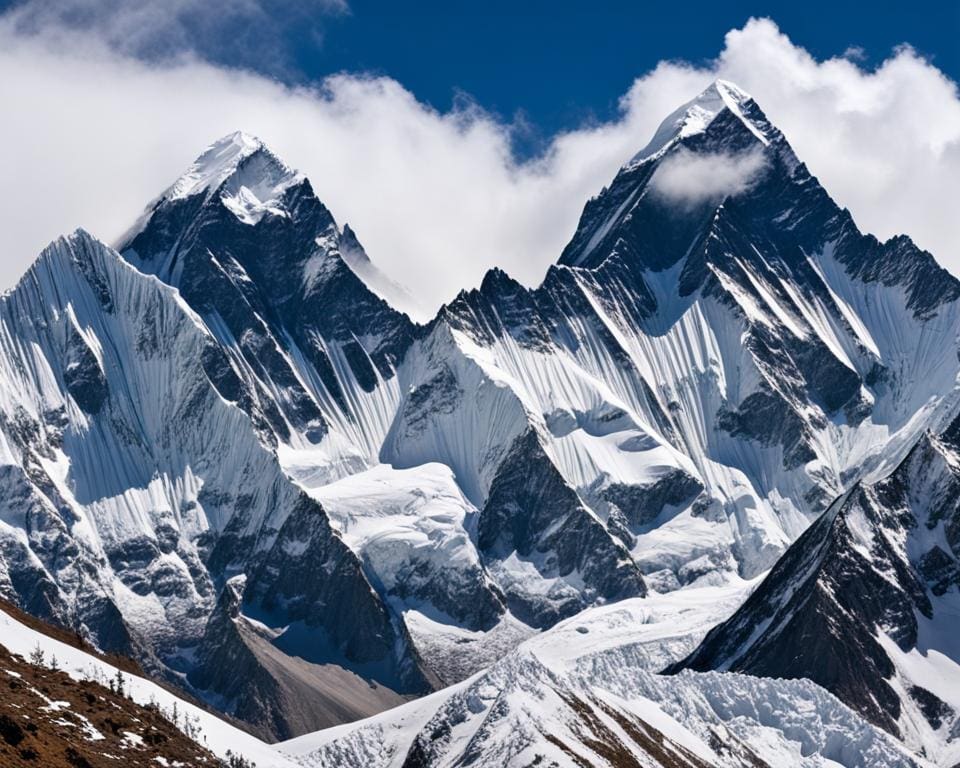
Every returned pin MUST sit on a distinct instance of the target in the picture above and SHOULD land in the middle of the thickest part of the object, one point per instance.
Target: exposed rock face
(532, 512)
(124, 512)
(279, 694)
(83, 376)
(871, 582)
(641, 505)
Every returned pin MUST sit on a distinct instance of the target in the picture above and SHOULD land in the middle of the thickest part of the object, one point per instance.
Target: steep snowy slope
(134, 488)
(867, 604)
(709, 365)
(548, 552)
(254, 252)
(583, 693)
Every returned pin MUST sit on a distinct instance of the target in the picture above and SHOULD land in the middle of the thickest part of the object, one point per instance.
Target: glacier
(584, 693)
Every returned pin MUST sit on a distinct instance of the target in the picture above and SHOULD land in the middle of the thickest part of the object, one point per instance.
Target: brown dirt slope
(48, 720)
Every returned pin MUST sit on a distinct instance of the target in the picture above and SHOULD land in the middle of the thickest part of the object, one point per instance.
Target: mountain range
(693, 500)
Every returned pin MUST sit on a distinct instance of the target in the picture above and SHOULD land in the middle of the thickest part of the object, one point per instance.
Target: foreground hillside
(94, 708)
(50, 720)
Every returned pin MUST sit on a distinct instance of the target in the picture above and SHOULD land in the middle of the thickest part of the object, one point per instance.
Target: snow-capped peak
(67, 252)
(214, 165)
(695, 116)
(248, 175)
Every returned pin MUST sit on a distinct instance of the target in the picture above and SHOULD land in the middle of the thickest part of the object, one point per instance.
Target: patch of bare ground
(49, 720)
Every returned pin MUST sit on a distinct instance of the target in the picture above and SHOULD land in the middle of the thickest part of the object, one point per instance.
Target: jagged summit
(249, 246)
(233, 156)
(696, 115)
(79, 236)
(250, 179)
(239, 178)
(77, 253)
(716, 147)
(214, 164)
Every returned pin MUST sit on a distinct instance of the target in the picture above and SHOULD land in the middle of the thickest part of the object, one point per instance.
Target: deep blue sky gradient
(555, 65)
(559, 63)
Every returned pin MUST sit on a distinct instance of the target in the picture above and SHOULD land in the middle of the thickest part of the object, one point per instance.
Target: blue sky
(544, 66)
(558, 64)
(458, 137)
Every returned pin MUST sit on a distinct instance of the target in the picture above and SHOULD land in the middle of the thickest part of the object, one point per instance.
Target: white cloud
(437, 198)
(241, 32)
(885, 143)
(686, 178)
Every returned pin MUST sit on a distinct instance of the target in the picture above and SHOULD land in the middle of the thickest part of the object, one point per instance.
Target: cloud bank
(92, 134)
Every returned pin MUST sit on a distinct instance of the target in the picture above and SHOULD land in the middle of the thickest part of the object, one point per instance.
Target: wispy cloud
(247, 33)
(688, 178)
(93, 133)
